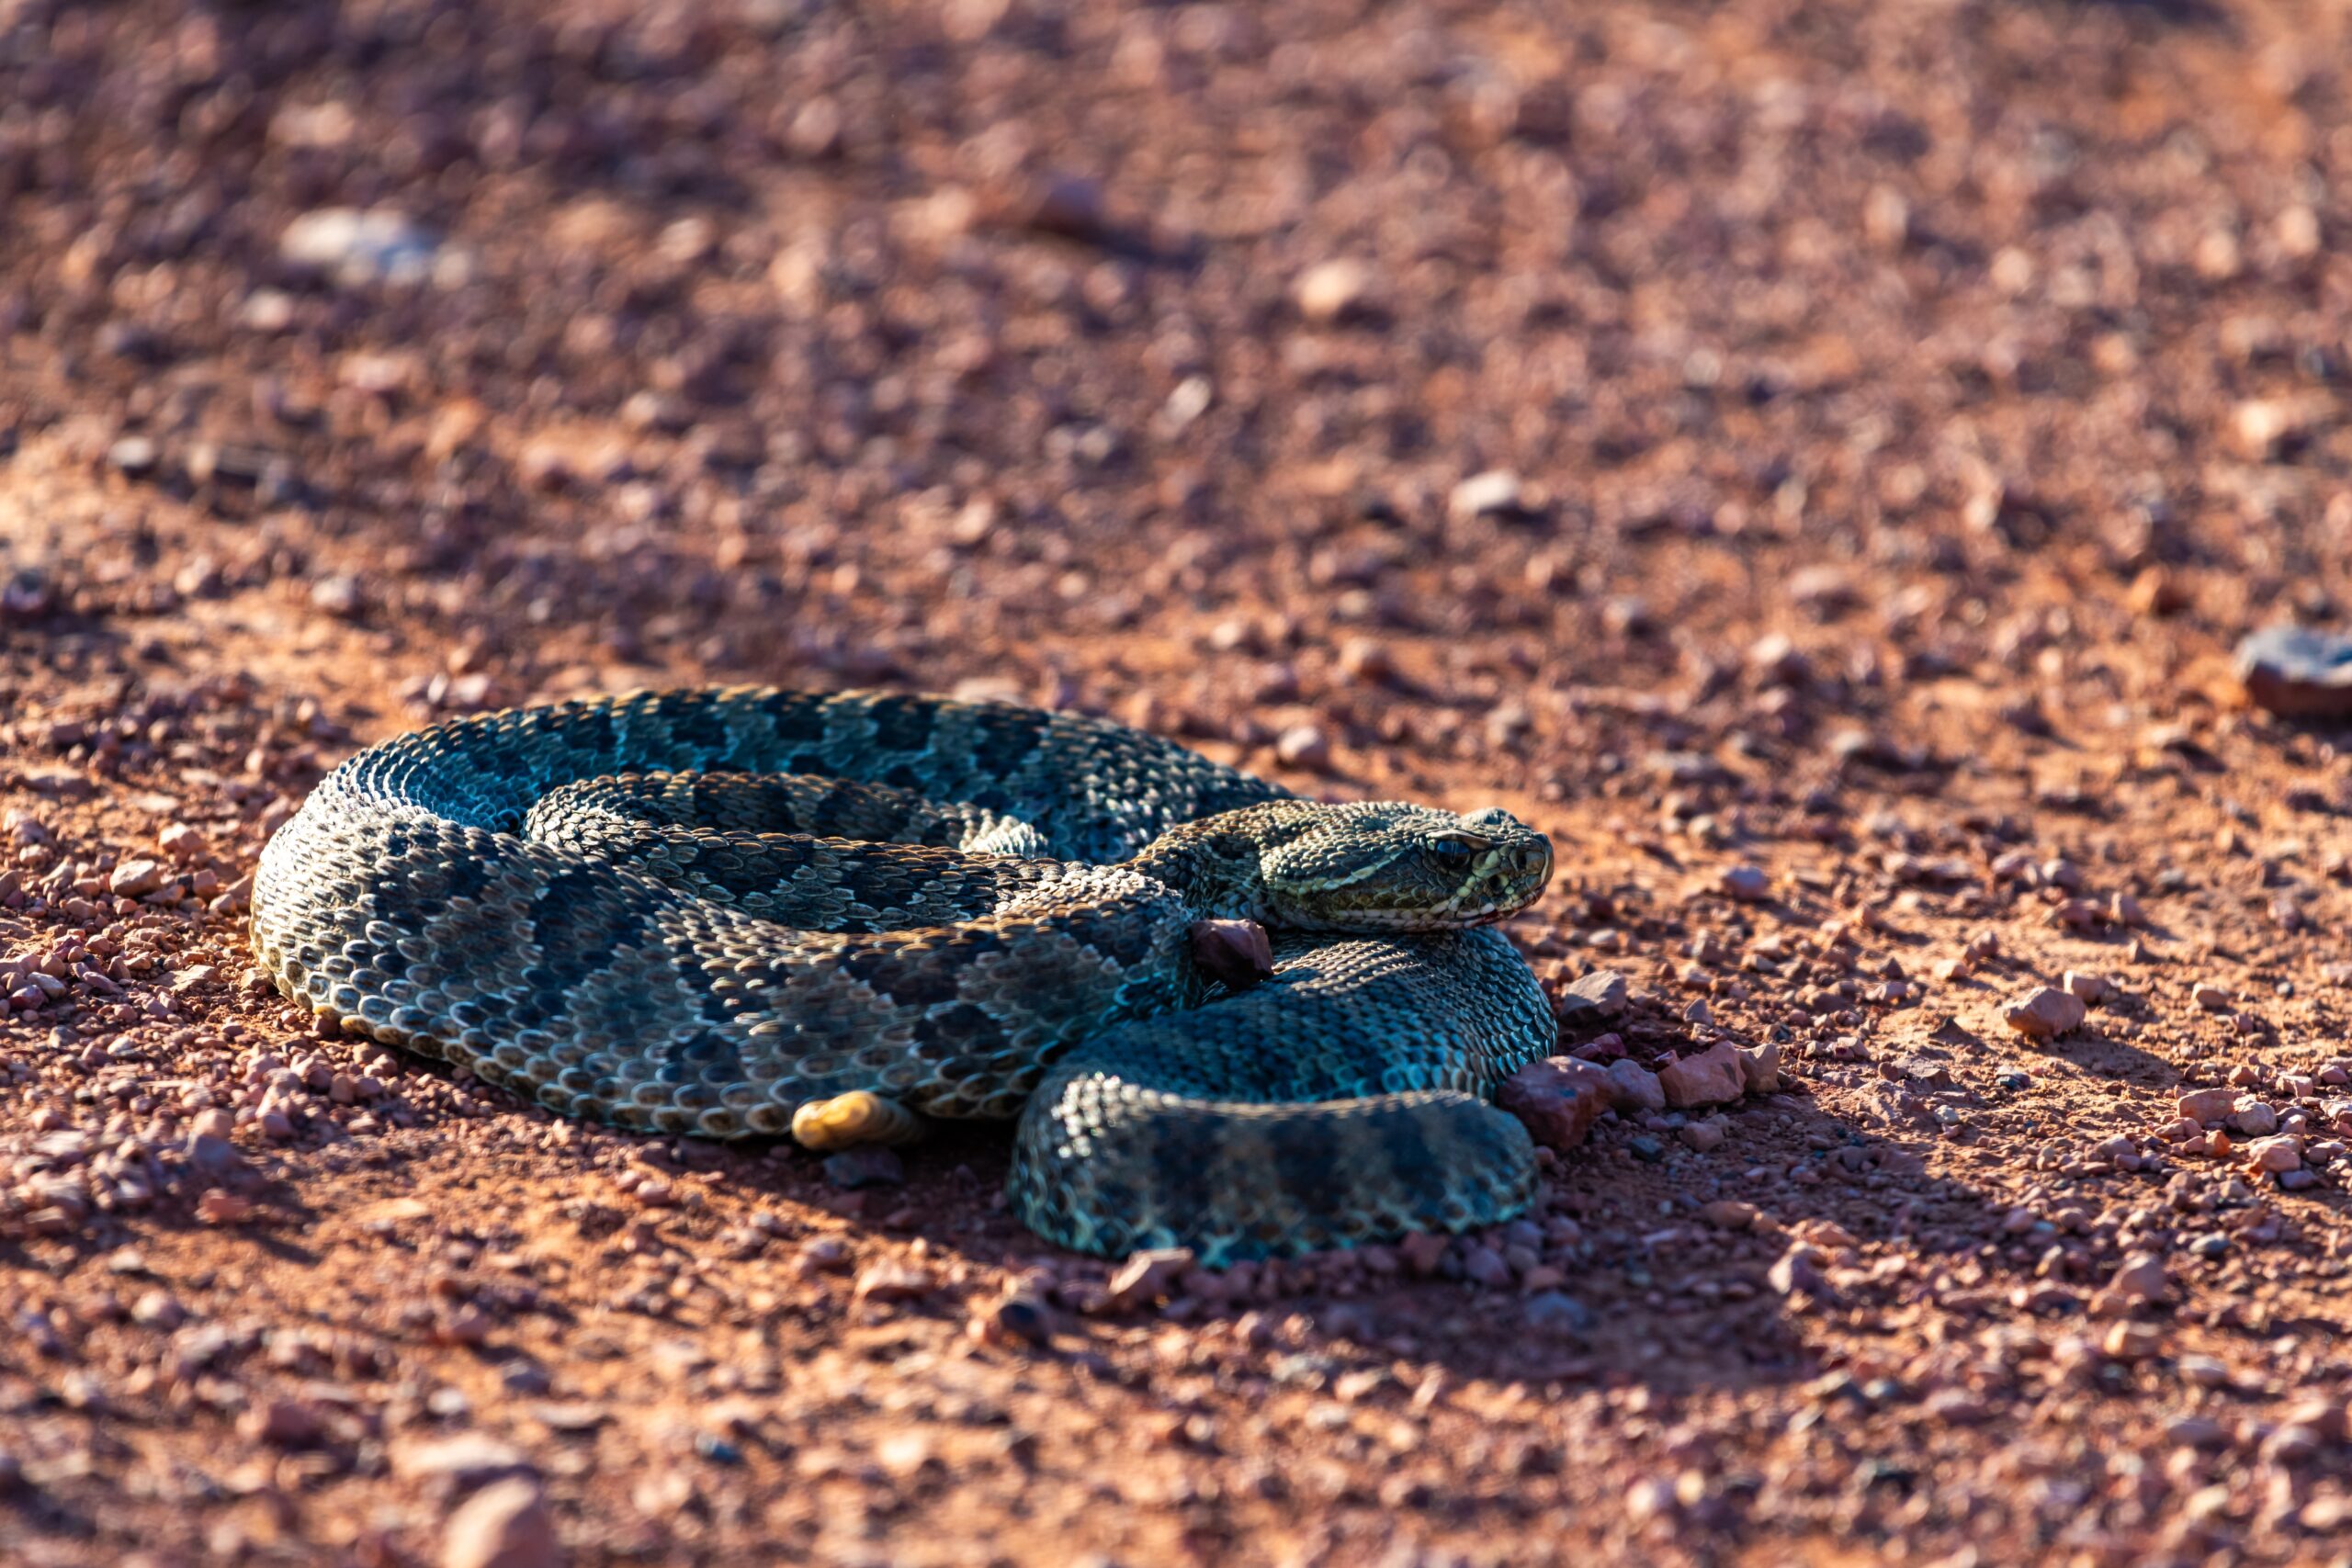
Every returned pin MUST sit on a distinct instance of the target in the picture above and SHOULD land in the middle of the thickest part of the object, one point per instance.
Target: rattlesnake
(748, 912)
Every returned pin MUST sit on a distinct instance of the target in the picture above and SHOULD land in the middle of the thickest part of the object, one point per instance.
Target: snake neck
(1212, 865)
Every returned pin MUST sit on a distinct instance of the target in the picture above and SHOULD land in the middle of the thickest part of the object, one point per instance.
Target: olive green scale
(699, 911)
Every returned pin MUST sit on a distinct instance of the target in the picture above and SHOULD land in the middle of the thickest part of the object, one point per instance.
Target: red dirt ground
(1905, 408)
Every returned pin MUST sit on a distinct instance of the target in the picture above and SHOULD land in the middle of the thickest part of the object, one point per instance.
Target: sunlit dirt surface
(1812, 461)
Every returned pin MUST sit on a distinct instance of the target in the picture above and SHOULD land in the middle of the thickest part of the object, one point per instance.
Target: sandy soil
(1813, 459)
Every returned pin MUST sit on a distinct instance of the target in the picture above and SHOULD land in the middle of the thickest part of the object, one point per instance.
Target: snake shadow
(1662, 1258)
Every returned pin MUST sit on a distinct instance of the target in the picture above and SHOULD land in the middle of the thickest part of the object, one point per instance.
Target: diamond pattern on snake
(838, 918)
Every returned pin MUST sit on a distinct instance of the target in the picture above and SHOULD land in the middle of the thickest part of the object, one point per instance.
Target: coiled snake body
(751, 912)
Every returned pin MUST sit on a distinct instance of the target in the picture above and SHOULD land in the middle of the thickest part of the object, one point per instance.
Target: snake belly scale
(749, 912)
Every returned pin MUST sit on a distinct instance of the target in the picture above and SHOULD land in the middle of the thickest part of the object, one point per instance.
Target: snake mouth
(1511, 879)
(1488, 912)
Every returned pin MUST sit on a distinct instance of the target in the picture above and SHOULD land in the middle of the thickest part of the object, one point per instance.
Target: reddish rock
(2044, 1012)
(1760, 1067)
(219, 1208)
(1714, 1077)
(1748, 885)
(1633, 1086)
(2140, 1280)
(1423, 1251)
(2272, 1157)
(284, 1423)
(1557, 1100)
(459, 1462)
(1604, 990)
(1303, 746)
(1705, 1137)
(893, 1282)
(504, 1525)
(2207, 1106)
(135, 877)
(2091, 988)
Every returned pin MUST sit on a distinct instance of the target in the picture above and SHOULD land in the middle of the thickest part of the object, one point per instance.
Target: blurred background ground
(1813, 459)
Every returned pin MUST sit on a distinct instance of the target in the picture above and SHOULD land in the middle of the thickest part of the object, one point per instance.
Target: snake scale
(751, 912)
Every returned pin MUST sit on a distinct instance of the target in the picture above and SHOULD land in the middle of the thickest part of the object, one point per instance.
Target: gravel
(1419, 404)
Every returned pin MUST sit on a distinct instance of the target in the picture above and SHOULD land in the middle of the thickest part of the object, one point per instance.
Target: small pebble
(2253, 1118)
(1332, 291)
(1303, 745)
(2206, 1106)
(1635, 1087)
(1364, 660)
(2043, 1013)
(1604, 990)
(889, 1282)
(1748, 885)
(1712, 1078)
(504, 1525)
(1495, 492)
(133, 878)
(824, 1255)
(1704, 1137)
(183, 843)
(133, 455)
(2089, 988)
(1423, 1251)
(1554, 1314)
(866, 1164)
(2276, 1155)
(360, 248)
(2140, 1280)
(1015, 1321)
(459, 1462)
(1148, 1277)
(340, 596)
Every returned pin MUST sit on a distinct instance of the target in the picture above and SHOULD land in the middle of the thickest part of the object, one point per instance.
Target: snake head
(1388, 867)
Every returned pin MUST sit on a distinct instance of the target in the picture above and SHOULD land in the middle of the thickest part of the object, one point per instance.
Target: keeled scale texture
(716, 977)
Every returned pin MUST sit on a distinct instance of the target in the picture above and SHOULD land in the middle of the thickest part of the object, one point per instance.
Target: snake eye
(1454, 851)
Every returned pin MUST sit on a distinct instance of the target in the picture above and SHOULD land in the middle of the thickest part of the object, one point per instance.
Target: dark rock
(1557, 1315)
(868, 1164)
(2298, 673)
